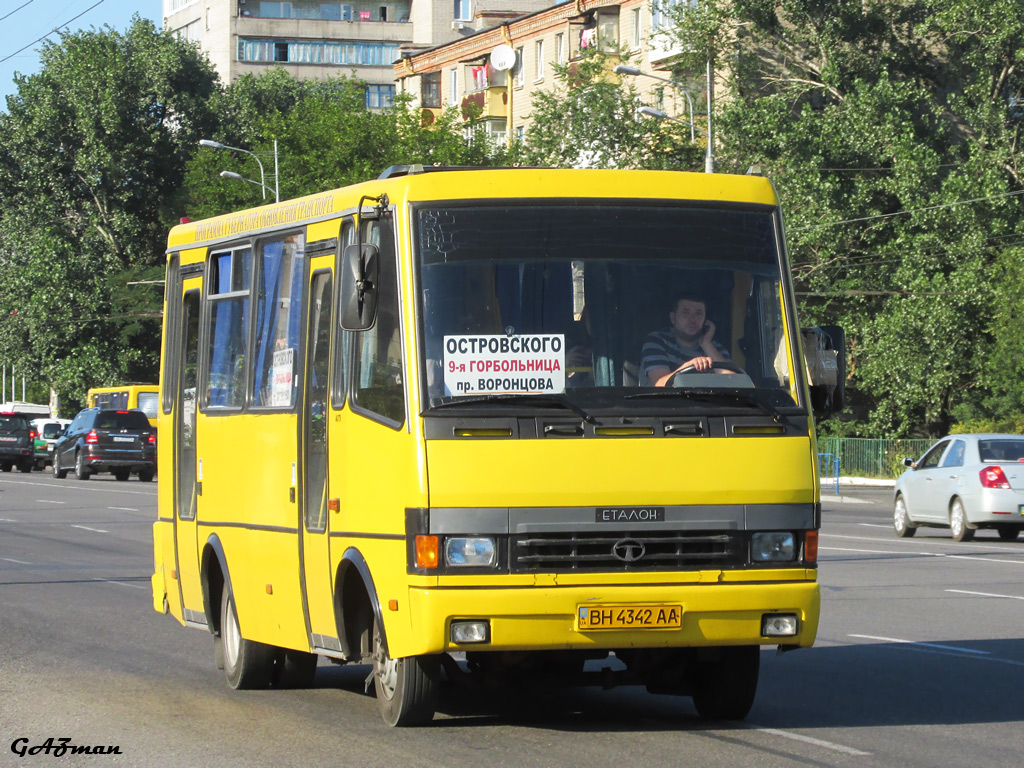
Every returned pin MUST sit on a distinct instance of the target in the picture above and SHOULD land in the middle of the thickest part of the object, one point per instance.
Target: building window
(539, 59)
(560, 48)
(453, 87)
(430, 90)
(275, 10)
(635, 15)
(379, 96)
(463, 10)
(661, 11)
(520, 74)
(322, 52)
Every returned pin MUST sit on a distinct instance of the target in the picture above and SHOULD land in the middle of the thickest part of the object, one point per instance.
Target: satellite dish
(503, 58)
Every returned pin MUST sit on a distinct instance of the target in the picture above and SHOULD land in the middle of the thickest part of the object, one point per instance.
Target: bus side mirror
(360, 274)
(825, 361)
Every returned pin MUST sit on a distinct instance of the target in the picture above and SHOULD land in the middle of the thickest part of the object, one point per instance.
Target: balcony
(491, 102)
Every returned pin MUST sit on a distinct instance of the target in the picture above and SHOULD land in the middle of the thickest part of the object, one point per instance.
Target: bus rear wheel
(406, 688)
(725, 685)
(247, 663)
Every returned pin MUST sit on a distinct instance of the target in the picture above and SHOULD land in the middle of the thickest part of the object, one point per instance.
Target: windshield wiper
(709, 396)
(543, 400)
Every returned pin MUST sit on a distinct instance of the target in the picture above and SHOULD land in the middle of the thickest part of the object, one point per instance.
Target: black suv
(106, 440)
(17, 442)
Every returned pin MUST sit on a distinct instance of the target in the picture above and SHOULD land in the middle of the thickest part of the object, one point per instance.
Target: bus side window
(379, 383)
(278, 321)
(343, 339)
(228, 332)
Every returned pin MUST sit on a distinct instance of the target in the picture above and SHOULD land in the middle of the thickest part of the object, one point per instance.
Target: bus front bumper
(547, 618)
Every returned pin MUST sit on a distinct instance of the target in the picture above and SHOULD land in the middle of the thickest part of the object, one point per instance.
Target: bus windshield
(598, 303)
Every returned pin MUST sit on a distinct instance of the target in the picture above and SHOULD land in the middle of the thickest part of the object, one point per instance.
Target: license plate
(124, 439)
(8, 439)
(629, 617)
(1021, 509)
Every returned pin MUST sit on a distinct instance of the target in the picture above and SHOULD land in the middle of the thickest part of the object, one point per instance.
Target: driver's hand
(698, 363)
(709, 334)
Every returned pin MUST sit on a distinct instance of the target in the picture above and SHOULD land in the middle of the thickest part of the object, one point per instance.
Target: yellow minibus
(506, 424)
(143, 397)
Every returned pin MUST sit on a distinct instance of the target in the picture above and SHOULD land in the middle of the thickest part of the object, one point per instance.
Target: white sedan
(964, 482)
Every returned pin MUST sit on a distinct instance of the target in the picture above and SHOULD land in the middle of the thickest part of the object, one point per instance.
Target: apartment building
(318, 39)
(460, 72)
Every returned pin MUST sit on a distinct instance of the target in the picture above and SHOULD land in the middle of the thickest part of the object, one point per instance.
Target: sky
(23, 21)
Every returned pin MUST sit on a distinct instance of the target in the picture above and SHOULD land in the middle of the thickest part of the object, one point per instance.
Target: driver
(688, 341)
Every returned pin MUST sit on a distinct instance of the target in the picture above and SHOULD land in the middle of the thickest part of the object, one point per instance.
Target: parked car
(107, 440)
(47, 432)
(964, 482)
(17, 436)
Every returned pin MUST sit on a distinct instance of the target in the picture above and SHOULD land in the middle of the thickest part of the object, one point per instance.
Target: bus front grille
(626, 551)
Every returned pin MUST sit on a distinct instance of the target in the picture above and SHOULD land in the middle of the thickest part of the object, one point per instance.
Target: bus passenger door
(314, 548)
(185, 490)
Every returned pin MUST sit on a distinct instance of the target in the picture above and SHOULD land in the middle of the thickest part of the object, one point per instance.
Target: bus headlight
(469, 552)
(772, 547)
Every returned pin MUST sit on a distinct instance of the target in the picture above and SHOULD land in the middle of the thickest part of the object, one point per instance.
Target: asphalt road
(919, 662)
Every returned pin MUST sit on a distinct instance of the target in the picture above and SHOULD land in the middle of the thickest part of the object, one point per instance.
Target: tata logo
(628, 550)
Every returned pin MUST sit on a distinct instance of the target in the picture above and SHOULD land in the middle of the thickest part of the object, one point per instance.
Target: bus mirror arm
(359, 280)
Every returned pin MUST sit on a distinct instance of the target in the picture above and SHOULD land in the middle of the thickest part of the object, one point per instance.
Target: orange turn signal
(811, 548)
(427, 551)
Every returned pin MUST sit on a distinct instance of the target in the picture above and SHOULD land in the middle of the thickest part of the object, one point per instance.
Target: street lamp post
(709, 159)
(231, 175)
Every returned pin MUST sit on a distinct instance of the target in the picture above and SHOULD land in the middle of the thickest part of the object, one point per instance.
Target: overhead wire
(11, 13)
(55, 29)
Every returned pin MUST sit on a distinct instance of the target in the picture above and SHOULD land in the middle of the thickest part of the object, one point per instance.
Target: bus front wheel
(247, 663)
(406, 688)
(725, 685)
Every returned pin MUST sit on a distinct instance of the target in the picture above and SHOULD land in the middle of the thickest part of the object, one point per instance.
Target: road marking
(925, 645)
(926, 542)
(122, 583)
(809, 740)
(80, 487)
(877, 551)
(47, 501)
(984, 594)
(124, 509)
(920, 554)
(7, 520)
(874, 525)
(87, 528)
(19, 562)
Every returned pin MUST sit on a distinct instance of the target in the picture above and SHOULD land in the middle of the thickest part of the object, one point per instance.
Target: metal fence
(869, 457)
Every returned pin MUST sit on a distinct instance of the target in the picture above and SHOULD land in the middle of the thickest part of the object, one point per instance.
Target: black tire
(122, 474)
(146, 475)
(59, 473)
(725, 686)
(1008, 532)
(26, 466)
(294, 669)
(901, 520)
(958, 524)
(247, 663)
(80, 469)
(6, 467)
(406, 688)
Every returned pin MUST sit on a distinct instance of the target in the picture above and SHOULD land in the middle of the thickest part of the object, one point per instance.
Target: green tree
(93, 150)
(589, 120)
(326, 138)
(891, 132)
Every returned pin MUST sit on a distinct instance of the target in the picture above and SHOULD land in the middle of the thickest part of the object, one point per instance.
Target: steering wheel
(724, 365)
